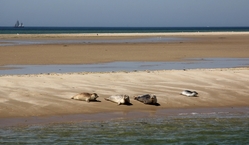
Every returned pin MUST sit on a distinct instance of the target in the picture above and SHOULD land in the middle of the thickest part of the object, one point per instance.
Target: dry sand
(49, 94)
(42, 95)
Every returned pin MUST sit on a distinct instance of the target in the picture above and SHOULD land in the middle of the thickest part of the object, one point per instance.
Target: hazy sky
(132, 13)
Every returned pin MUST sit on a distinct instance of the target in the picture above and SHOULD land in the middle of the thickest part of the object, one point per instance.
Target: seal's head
(153, 99)
(126, 99)
(94, 96)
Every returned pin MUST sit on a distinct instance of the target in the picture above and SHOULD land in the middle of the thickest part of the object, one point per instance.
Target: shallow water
(127, 66)
(228, 128)
(82, 41)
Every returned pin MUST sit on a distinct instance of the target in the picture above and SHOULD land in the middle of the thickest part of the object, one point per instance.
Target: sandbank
(225, 45)
(49, 94)
(44, 95)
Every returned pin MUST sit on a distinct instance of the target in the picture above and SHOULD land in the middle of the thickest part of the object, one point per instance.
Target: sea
(75, 30)
(193, 128)
(212, 127)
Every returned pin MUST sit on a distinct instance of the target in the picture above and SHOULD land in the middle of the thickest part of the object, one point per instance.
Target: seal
(85, 97)
(146, 99)
(189, 93)
(120, 99)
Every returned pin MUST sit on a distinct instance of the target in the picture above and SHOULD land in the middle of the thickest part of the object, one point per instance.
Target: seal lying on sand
(147, 99)
(86, 97)
(189, 93)
(120, 99)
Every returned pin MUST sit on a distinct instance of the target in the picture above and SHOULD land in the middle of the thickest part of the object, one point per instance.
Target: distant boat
(19, 25)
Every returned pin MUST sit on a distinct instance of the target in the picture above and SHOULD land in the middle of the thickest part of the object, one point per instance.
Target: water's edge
(196, 63)
(105, 116)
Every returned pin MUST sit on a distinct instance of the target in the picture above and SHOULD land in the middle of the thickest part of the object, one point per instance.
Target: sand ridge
(49, 94)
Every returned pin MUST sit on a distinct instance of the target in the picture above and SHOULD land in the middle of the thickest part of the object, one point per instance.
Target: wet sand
(46, 95)
(199, 45)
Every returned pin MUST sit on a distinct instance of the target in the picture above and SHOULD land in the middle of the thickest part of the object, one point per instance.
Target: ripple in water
(197, 129)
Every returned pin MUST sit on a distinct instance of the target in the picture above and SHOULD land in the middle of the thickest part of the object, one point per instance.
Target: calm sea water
(210, 129)
(58, 30)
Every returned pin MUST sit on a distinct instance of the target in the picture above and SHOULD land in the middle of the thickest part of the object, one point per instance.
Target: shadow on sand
(128, 104)
(156, 104)
(95, 101)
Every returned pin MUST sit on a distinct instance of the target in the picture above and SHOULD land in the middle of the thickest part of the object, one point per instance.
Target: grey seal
(189, 93)
(85, 97)
(147, 99)
(120, 99)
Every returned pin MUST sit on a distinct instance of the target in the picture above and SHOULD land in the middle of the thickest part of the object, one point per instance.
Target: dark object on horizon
(19, 25)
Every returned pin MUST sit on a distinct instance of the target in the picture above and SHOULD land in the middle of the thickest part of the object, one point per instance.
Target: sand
(44, 95)
(203, 45)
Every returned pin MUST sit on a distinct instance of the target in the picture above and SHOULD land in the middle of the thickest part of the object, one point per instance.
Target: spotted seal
(120, 99)
(147, 99)
(189, 93)
(86, 97)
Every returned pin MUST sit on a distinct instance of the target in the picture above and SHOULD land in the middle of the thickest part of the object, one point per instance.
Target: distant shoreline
(119, 31)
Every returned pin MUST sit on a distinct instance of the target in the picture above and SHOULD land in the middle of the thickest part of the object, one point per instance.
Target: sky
(125, 13)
